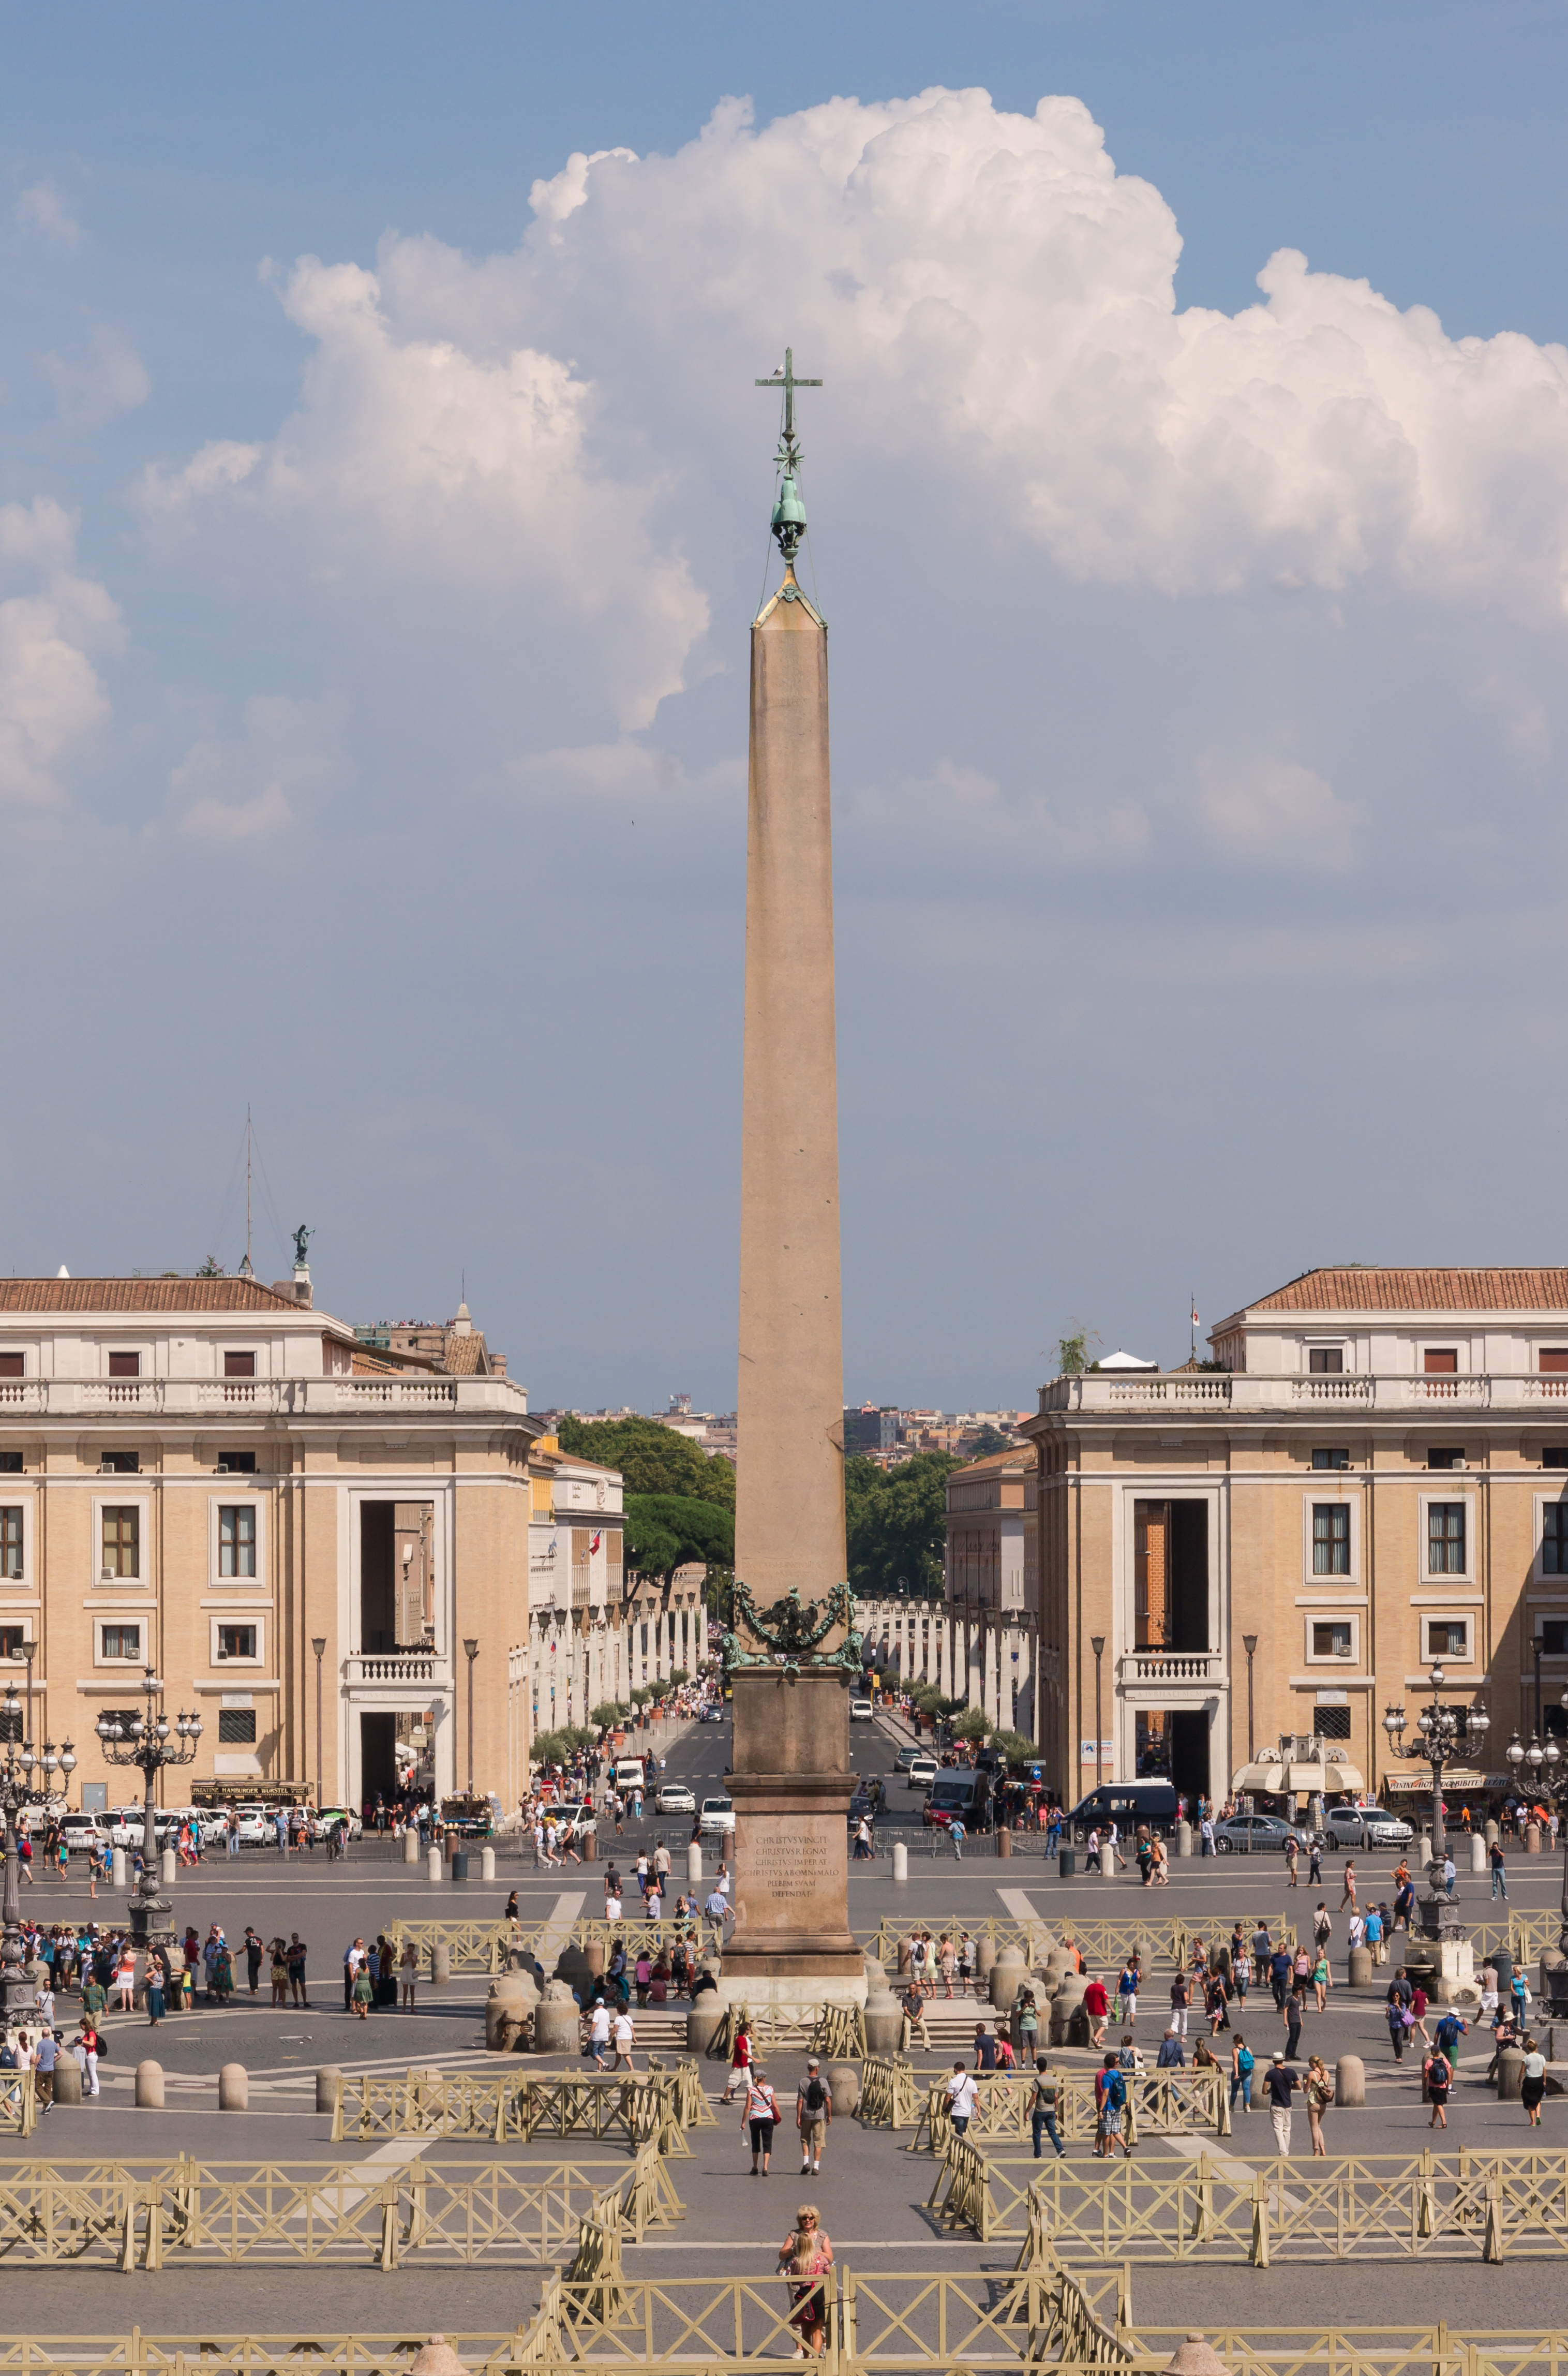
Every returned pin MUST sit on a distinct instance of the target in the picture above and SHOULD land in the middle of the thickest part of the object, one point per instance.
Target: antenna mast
(248, 1270)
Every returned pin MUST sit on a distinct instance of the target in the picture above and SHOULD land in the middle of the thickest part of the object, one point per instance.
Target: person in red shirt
(1098, 2007)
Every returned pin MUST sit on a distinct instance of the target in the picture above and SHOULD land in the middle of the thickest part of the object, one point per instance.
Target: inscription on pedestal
(792, 1867)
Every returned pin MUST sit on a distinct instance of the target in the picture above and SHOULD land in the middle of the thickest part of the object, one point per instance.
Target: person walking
(254, 1952)
(1533, 2082)
(597, 2032)
(1499, 1871)
(961, 2091)
(1279, 2084)
(1437, 2072)
(1292, 2025)
(1097, 2007)
(1319, 2094)
(625, 2038)
(125, 1976)
(956, 1834)
(1349, 1896)
(363, 1993)
(759, 2113)
(1314, 1861)
(1292, 1859)
(280, 1976)
(1243, 2063)
(804, 2257)
(1110, 2109)
(1043, 2108)
(1127, 1993)
(813, 2112)
(1181, 2000)
(740, 2060)
(409, 1967)
(154, 1992)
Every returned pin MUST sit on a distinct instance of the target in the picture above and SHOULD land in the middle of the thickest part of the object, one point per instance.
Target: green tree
(666, 1530)
(608, 1713)
(1015, 1749)
(973, 1724)
(652, 1459)
(896, 1522)
(989, 1439)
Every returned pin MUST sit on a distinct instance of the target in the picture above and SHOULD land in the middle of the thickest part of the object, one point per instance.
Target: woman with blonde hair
(1319, 2092)
(805, 2256)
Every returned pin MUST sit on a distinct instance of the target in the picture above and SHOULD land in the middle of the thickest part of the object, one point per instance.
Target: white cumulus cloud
(1273, 812)
(255, 789)
(112, 378)
(53, 706)
(40, 208)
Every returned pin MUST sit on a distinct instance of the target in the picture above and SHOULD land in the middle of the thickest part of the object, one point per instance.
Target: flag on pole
(1196, 1323)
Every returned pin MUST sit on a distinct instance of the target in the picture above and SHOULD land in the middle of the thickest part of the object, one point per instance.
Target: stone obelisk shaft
(789, 1488)
(791, 1780)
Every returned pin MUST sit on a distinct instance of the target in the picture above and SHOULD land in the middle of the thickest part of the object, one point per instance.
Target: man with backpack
(814, 2111)
(1111, 2108)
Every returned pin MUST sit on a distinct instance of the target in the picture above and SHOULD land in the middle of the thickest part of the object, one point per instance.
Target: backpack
(817, 2096)
(1244, 2060)
(1115, 2090)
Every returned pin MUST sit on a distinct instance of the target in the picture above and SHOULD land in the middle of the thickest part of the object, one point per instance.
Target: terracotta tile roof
(1371, 1289)
(1019, 1455)
(141, 1295)
(463, 1357)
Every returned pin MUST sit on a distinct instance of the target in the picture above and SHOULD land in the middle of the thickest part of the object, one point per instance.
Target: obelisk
(791, 1777)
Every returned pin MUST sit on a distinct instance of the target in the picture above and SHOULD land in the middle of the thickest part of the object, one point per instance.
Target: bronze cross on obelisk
(786, 380)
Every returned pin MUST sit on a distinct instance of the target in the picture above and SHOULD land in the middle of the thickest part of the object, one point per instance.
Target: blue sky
(373, 646)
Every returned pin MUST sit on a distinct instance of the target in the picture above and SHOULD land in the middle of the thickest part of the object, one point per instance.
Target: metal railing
(836, 2030)
(1160, 1940)
(1383, 2206)
(18, 2104)
(185, 2213)
(1165, 2103)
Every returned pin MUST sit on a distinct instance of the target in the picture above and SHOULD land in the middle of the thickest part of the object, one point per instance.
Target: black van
(1127, 1804)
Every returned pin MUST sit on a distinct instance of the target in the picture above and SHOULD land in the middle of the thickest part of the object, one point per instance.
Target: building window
(1332, 1456)
(11, 1545)
(119, 1642)
(1333, 1639)
(1445, 1456)
(1554, 1538)
(121, 1533)
(124, 1366)
(1554, 1637)
(237, 1464)
(1445, 1538)
(1332, 1723)
(1448, 1637)
(122, 1464)
(239, 1365)
(236, 1641)
(1326, 1362)
(1553, 1360)
(236, 1539)
(1555, 1456)
(236, 1723)
(1331, 1538)
(11, 1640)
(10, 1464)
(1441, 1361)
(10, 1365)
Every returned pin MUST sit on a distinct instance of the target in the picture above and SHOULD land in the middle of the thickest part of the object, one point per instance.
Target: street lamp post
(143, 1741)
(1550, 1780)
(1096, 1644)
(318, 1644)
(1250, 1643)
(1439, 1726)
(27, 1781)
(1537, 1646)
(470, 1652)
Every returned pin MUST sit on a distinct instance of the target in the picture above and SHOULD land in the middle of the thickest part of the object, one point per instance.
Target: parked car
(922, 1772)
(83, 1833)
(256, 1827)
(124, 1826)
(1367, 1827)
(331, 1815)
(861, 1711)
(910, 1755)
(718, 1816)
(575, 1817)
(1256, 1836)
(674, 1799)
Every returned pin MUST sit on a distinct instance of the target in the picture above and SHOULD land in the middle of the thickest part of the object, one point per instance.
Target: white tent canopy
(1297, 1776)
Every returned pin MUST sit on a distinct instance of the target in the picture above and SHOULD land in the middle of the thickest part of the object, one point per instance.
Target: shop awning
(1300, 1777)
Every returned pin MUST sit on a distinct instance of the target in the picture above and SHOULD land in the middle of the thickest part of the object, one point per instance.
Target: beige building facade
(1371, 1477)
(301, 1533)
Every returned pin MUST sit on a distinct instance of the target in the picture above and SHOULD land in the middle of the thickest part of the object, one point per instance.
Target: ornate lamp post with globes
(143, 1741)
(1441, 1727)
(1549, 1780)
(27, 1781)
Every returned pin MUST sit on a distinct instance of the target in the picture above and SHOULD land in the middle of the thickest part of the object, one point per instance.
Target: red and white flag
(1196, 1322)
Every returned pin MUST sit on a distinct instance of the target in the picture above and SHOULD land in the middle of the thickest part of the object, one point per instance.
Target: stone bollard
(1479, 1859)
(1350, 2081)
(900, 1860)
(1008, 1975)
(329, 2087)
(1361, 1971)
(411, 1845)
(149, 2087)
(436, 2358)
(703, 2023)
(1065, 2005)
(555, 2026)
(1003, 1841)
(1510, 2076)
(487, 1864)
(1551, 1960)
(118, 1869)
(1532, 1840)
(588, 1847)
(1196, 2356)
(1491, 1832)
(844, 2085)
(985, 1955)
(1423, 1847)
(168, 1868)
(1183, 1838)
(68, 2079)
(1108, 1862)
(694, 1863)
(440, 1963)
(233, 2088)
(884, 2019)
(433, 1864)
(507, 2010)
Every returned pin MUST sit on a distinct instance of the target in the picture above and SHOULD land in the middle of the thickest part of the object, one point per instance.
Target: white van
(628, 1774)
